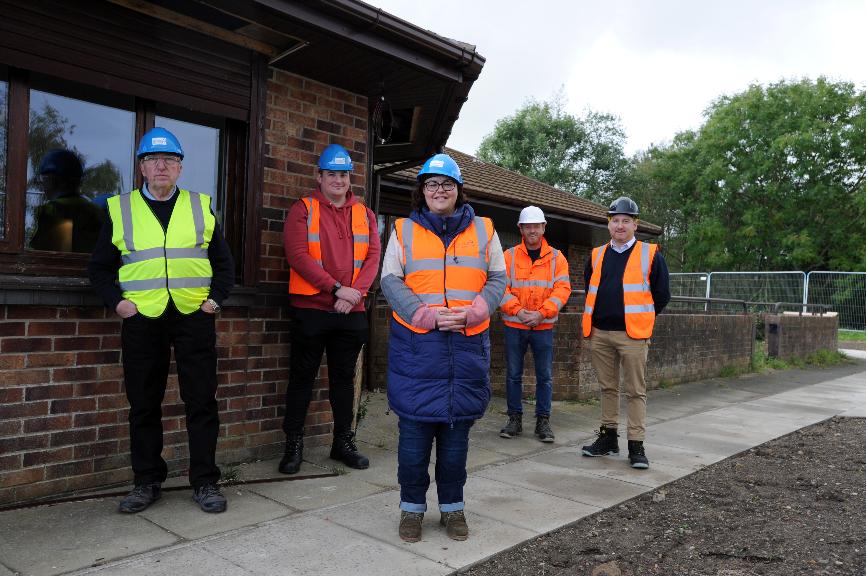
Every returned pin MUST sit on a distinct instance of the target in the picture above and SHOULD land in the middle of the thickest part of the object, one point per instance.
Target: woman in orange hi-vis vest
(443, 275)
(627, 286)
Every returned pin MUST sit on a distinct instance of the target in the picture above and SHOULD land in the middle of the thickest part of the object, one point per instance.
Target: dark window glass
(201, 161)
(79, 154)
(4, 114)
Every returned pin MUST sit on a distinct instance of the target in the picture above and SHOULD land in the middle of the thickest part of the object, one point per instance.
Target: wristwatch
(336, 287)
(214, 306)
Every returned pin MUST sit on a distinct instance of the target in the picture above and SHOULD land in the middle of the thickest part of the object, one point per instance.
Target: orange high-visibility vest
(546, 280)
(640, 314)
(445, 277)
(360, 239)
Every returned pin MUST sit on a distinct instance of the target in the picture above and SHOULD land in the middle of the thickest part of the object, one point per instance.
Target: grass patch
(826, 357)
(730, 371)
(664, 384)
(820, 358)
(852, 335)
(230, 474)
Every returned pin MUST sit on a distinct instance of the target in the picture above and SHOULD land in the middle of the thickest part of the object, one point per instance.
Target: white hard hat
(531, 215)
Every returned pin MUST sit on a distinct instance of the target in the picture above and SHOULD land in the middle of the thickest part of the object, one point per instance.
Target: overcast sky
(657, 64)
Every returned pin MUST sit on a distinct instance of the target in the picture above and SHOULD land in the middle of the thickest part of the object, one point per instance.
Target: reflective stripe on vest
(445, 277)
(158, 264)
(638, 307)
(360, 244)
(513, 282)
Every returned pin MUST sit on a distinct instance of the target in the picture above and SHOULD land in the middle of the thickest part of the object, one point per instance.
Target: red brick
(31, 312)
(12, 328)
(12, 361)
(24, 410)
(111, 372)
(77, 343)
(27, 476)
(25, 345)
(106, 327)
(122, 430)
(24, 377)
(70, 437)
(22, 443)
(47, 424)
(10, 395)
(96, 419)
(68, 405)
(75, 374)
(47, 456)
(97, 388)
(94, 449)
(68, 469)
(11, 462)
(112, 402)
(98, 357)
(50, 359)
(50, 328)
(9, 428)
(48, 392)
(87, 313)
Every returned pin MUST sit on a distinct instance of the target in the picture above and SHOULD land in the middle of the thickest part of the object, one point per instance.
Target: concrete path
(346, 523)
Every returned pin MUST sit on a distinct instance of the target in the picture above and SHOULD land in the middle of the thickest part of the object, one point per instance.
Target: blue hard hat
(159, 140)
(335, 157)
(63, 163)
(441, 164)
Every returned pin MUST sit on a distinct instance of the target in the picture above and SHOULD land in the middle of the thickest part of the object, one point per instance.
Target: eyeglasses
(168, 161)
(433, 185)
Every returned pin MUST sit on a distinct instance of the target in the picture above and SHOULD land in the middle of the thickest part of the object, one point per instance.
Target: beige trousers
(614, 353)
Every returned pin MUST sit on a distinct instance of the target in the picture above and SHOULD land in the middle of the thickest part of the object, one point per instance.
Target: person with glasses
(332, 246)
(443, 275)
(162, 264)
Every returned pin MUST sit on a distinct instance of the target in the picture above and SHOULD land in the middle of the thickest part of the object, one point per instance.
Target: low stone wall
(684, 347)
(794, 336)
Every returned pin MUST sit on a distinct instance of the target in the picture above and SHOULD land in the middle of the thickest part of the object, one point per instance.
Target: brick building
(254, 89)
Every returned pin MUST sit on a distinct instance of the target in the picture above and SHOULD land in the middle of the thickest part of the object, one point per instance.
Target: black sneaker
(605, 444)
(514, 427)
(543, 429)
(140, 498)
(636, 455)
(345, 450)
(210, 498)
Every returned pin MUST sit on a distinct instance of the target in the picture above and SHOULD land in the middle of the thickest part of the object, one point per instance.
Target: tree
(583, 156)
(773, 180)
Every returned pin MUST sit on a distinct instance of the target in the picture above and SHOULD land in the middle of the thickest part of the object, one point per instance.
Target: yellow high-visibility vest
(159, 264)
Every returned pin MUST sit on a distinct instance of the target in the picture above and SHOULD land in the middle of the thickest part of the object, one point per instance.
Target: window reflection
(80, 154)
(201, 147)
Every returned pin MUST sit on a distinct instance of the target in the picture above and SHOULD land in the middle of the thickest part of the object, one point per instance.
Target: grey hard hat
(623, 205)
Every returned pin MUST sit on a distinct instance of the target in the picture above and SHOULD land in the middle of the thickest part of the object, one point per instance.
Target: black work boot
(543, 429)
(514, 427)
(605, 444)
(291, 462)
(344, 450)
(636, 455)
(142, 496)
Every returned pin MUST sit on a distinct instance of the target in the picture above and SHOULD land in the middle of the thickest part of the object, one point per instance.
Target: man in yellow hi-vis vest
(162, 265)
(627, 286)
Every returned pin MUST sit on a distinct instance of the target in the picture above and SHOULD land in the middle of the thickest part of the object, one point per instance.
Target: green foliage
(852, 336)
(773, 180)
(664, 384)
(730, 371)
(826, 357)
(583, 155)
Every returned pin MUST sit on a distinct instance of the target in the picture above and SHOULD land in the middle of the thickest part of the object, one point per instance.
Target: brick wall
(63, 412)
(790, 336)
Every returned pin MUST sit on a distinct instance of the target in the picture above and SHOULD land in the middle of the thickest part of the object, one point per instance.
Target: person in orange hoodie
(536, 290)
(332, 246)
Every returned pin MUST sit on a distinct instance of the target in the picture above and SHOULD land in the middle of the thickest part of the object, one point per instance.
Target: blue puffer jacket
(439, 376)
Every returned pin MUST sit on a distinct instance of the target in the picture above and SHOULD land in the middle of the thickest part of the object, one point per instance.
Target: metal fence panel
(845, 291)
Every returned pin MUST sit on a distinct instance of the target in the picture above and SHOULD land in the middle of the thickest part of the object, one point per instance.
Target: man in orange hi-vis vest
(627, 286)
(332, 246)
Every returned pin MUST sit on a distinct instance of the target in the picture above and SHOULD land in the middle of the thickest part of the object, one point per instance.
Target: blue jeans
(541, 342)
(413, 460)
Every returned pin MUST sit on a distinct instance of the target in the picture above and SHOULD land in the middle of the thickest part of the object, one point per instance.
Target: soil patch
(790, 507)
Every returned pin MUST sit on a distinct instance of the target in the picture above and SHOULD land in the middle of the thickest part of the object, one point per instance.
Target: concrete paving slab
(379, 516)
(55, 539)
(567, 483)
(616, 467)
(266, 469)
(310, 545)
(521, 507)
(187, 560)
(316, 493)
(690, 436)
(5, 571)
(180, 515)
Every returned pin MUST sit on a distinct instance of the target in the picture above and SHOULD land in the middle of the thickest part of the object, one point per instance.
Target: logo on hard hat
(159, 141)
(338, 160)
(437, 163)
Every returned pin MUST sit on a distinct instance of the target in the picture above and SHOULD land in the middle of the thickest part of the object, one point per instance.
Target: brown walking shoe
(410, 526)
(455, 525)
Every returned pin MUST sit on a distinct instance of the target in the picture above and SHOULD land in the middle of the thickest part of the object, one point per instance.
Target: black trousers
(313, 333)
(147, 346)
